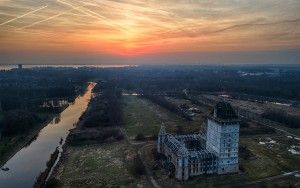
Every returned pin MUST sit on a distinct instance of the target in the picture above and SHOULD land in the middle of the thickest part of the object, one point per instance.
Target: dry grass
(105, 165)
(271, 160)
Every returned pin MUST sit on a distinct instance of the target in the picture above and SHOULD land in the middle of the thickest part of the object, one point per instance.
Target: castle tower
(223, 137)
(161, 136)
(182, 166)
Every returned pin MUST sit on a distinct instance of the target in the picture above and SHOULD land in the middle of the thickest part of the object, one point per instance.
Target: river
(27, 164)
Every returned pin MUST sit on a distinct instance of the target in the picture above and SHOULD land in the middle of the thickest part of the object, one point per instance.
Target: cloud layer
(137, 27)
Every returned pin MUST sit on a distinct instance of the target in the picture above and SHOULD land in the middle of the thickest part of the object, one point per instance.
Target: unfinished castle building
(215, 152)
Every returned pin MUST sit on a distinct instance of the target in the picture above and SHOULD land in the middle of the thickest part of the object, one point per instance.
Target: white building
(196, 154)
(223, 137)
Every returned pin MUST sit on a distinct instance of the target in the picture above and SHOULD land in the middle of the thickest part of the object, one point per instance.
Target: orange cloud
(132, 28)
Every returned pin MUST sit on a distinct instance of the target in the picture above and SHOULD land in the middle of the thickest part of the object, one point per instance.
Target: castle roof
(224, 111)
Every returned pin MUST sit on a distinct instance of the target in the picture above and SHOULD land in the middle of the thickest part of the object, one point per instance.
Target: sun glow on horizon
(141, 27)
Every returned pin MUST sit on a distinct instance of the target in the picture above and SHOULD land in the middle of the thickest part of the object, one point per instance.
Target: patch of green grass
(139, 118)
(142, 116)
(105, 165)
(271, 159)
(264, 165)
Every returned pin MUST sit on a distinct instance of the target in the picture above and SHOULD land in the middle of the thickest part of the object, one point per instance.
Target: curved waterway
(26, 165)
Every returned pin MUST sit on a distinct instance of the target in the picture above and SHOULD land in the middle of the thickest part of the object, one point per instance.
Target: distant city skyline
(149, 32)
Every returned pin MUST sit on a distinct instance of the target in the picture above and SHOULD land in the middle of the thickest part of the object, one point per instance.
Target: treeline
(102, 119)
(41, 179)
(152, 79)
(104, 108)
(19, 121)
(246, 129)
(168, 105)
(23, 93)
(100, 123)
(32, 98)
(29, 88)
(282, 117)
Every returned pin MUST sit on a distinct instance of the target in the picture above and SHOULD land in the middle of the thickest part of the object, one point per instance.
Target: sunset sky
(149, 31)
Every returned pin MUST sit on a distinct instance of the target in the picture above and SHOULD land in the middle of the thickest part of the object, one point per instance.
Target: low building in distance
(215, 152)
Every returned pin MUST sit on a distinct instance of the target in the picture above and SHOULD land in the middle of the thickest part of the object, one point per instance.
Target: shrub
(137, 167)
(140, 137)
(282, 117)
(53, 183)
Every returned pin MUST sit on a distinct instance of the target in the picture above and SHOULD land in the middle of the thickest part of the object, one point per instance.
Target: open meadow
(266, 159)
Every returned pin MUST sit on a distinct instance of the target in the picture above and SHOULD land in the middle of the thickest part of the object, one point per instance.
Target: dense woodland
(19, 121)
(27, 89)
(268, 81)
(102, 119)
(23, 93)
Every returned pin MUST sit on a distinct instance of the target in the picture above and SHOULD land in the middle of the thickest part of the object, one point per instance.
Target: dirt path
(276, 128)
(148, 171)
(272, 177)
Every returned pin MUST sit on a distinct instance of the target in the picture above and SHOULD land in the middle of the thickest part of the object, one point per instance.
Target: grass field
(108, 165)
(270, 160)
(143, 116)
(290, 130)
(105, 165)
(289, 181)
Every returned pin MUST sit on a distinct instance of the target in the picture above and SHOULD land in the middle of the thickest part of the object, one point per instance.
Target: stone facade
(215, 152)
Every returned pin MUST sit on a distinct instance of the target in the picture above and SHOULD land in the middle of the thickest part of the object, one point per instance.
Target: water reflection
(30, 141)
(26, 165)
(56, 120)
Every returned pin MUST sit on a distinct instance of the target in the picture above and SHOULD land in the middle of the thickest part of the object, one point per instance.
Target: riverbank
(41, 180)
(20, 141)
(96, 153)
(98, 165)
(10, 145)
(90, 164)
(37, 153)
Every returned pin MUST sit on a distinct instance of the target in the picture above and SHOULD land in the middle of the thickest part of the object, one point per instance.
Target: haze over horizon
(149, 32)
